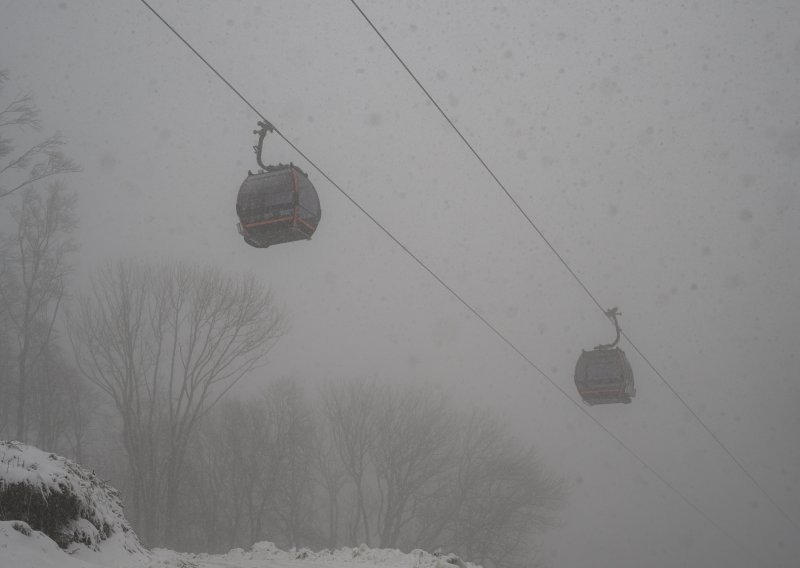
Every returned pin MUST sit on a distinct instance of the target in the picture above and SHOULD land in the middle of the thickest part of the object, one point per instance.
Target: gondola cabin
(604, 375)
(276, 206)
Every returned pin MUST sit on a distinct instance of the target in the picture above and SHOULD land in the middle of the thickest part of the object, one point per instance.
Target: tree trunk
(22, 389)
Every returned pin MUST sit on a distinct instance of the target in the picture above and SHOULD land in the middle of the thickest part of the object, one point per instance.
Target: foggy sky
(657, 147)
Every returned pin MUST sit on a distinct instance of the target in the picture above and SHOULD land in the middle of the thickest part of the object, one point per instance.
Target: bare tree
(411, 449)
(223, 474)
(165, 343)
(43, 159)
(516, 503)
(258, 443)
(494, 499)
(36, 264)
(478, 442)
(331, 478)
(294, 499)
(6, 373)
(81, 405)
(115, 350)
(350, 412)
(255, 469)
(49, 416)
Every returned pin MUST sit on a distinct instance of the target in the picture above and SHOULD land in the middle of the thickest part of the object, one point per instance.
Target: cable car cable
(466, 304)
(566, 265)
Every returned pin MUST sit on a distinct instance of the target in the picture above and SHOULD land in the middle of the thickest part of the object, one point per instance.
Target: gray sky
(657, 147)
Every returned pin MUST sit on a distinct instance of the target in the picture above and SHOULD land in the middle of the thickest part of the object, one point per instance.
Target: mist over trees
(357, 462)
(165, 343)
(36, 248)
(136, 376)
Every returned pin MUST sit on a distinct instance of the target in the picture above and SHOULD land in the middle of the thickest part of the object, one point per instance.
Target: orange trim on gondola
(601, 391)
(269, 222)
(296, 191)
(309, 225)
(601, 387)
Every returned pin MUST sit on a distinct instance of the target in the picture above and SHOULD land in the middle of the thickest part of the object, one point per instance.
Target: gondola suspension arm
(612, 315)
(262, 133)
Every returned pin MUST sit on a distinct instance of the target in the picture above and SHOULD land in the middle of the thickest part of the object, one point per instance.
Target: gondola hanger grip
(612, 314)
(266, 126)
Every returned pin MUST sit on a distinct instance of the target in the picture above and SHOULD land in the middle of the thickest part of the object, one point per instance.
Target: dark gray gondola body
(604, 376)
(277, 206)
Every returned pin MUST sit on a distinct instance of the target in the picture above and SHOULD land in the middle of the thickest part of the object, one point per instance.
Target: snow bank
(23, 547)
(61, 499)
(46, 499)
(267, 554)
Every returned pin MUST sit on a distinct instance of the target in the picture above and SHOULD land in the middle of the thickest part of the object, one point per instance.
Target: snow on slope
(113, 544)
(266, 555)
(63, 499)
(20, 547)
(36, 550)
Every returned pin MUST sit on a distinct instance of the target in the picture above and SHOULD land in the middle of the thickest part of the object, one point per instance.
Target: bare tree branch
(42, 160)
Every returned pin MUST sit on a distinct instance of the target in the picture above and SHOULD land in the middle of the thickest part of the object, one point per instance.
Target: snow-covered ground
(36, 550)
(116, 546)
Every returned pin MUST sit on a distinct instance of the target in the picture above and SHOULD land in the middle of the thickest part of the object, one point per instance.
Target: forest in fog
(516, 281)
(136, 373)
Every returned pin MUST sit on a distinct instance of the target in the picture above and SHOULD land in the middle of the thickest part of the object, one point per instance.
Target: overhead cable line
(449, 289)
(566, 265)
